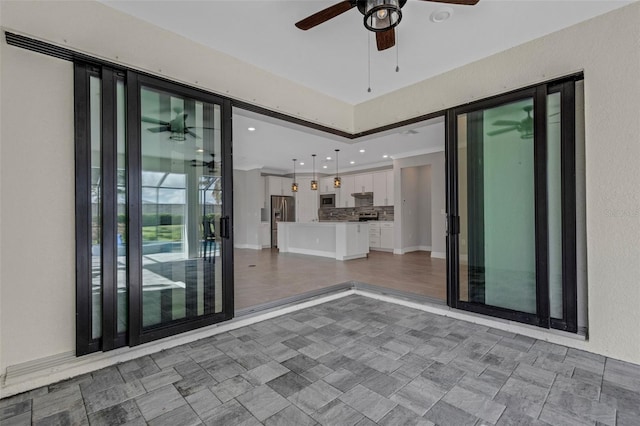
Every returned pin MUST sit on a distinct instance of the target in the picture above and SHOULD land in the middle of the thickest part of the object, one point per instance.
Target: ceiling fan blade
(463, 2)
(154, 121)
(501, 131)
(159, 129)
(324, 15)
(386, 39)
(192, 133)
(506, 123)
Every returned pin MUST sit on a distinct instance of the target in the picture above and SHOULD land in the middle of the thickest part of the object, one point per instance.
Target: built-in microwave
(327, 200)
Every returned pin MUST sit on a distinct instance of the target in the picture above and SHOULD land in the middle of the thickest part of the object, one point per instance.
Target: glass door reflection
(181, 206)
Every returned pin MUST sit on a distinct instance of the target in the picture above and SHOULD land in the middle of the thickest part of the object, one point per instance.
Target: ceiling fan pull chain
(397, 43)
(369, 59)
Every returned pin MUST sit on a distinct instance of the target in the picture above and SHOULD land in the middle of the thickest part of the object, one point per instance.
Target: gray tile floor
(354, 361)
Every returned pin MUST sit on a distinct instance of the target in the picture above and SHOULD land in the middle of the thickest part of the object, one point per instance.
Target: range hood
(363, 199)
(362, 195)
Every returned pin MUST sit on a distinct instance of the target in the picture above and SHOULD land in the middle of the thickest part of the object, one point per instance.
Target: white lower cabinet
(386, 236)
(381, 236)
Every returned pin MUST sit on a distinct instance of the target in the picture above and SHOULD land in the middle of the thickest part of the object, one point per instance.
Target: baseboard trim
(438, 254)
(248, 246)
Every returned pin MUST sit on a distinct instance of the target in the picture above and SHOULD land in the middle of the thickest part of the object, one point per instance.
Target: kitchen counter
(337, 240)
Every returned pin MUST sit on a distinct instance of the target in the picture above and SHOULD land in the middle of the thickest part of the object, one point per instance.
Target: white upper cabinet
(380, 189)
(390, 199)
(364, 183)
(326, 185)
(278, 185)
(343, 195)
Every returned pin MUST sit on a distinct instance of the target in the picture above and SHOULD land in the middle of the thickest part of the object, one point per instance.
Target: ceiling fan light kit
(381, 15)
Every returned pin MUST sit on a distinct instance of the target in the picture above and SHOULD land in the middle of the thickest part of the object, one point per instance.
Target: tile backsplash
(338, 214)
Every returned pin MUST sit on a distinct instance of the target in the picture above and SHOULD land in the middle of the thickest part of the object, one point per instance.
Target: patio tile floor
(353, 361)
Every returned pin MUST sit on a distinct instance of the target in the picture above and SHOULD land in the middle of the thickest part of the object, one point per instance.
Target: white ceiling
(274, 144)
(332, 59)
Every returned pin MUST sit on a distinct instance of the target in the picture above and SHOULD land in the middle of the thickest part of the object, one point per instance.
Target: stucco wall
(37, 282)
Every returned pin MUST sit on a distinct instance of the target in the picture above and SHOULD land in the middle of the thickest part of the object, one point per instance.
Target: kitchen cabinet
(380, 189)
(386, 235)
(364, 183)
(279, 185)
(374, 235)
(381, 236)
(383, 188)
(343, 195)
(326, 185)
(390, 188)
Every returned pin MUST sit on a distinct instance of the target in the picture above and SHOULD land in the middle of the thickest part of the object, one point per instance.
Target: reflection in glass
(95, 99)
(497, 207)
(121, 194)
(182, 267)
(554, 204)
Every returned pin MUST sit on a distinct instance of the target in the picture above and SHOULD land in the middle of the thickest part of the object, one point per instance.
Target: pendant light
(337, 182)
(294, 185)
(314, 182)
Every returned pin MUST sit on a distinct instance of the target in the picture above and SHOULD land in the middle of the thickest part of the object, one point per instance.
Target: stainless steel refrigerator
(283, 209)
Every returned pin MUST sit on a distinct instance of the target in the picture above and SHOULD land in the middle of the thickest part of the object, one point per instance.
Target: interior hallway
(265, 275)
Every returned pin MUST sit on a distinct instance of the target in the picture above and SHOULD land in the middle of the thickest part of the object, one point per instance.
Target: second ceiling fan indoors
(380, 16)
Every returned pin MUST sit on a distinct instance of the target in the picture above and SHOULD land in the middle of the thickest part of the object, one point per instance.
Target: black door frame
(539, 95)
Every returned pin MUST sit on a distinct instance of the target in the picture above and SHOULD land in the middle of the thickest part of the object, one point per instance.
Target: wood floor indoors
(267, 275)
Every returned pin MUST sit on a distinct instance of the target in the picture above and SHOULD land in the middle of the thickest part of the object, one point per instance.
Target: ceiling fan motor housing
(381, 15)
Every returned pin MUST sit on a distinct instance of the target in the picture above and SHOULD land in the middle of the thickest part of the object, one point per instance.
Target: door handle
(224, 227)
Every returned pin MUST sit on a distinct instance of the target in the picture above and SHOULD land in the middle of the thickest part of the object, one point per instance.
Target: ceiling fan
(524, 127)
(212, 165)
(177, 126)
(380, 16)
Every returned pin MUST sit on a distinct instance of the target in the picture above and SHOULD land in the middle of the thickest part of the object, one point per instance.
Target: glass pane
(182, 269)
(95, 99)
(497, 207)
(122, 309)
(554, 204)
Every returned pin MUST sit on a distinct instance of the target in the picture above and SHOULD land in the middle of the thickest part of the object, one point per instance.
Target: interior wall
(436, 163)
(424, 207)
(247, 202)
(409, 214)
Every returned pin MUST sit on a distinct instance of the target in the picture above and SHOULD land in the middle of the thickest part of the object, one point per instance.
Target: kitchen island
(337, 240)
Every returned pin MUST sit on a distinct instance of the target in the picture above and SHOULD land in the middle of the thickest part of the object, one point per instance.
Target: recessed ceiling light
(352, 162)
(385, 156)
(328, 158)
(324, 167)
(362, 150)
(441, 14)
(301, 163)
(199, 150)
(251, 129)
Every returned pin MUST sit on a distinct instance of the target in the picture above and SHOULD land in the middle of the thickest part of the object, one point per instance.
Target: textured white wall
(37, 281)
(37, 234)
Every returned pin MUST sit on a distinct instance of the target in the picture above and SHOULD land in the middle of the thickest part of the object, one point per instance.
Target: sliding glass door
(511, 201)
(153, 184)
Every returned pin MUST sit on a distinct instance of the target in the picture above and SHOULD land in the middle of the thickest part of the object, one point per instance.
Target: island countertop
(338, 240)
